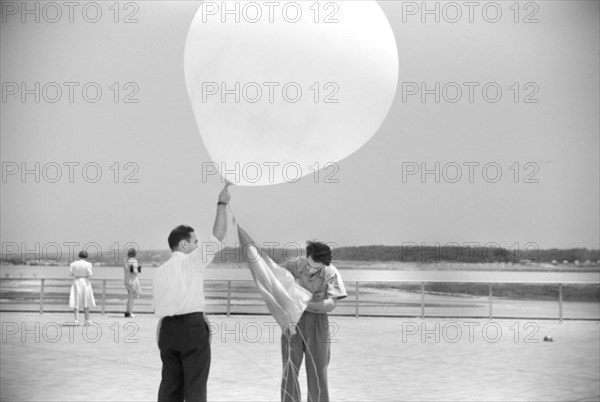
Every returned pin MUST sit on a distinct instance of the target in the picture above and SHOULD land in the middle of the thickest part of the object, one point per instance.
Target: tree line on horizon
(431, 254)
(417, 254)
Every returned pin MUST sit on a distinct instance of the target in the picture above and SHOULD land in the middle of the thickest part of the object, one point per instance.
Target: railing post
(560, 303)
(228, 298)
(356, 299)
(42, 296)
(490, 298)
(103, 296)
(422, 300)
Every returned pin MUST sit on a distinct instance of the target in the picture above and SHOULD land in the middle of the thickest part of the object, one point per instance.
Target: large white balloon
(280, 89)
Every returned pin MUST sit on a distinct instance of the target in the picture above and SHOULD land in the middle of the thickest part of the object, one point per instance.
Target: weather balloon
(281, 89)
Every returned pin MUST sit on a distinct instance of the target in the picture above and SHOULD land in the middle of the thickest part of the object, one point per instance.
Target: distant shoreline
(526, 257)
(382, 266)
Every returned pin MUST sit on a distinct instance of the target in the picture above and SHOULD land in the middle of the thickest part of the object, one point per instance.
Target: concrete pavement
(373, 359)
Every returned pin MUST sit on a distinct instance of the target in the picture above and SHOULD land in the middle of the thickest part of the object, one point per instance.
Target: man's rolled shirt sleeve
(335, 284)
(205, 253)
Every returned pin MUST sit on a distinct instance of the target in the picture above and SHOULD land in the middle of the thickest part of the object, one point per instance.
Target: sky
(128, 168)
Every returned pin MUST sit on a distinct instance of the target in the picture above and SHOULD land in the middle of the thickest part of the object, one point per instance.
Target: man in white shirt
(183, 333)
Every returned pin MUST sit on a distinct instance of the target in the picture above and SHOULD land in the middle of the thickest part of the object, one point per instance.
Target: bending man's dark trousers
(185, 353)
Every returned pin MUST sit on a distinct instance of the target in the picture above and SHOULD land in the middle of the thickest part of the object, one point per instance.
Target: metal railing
(356, 277)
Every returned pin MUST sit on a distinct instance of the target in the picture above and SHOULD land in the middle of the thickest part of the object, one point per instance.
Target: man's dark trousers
(185, 353)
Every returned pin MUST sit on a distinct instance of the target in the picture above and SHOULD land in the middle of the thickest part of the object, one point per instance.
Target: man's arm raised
(220, 226)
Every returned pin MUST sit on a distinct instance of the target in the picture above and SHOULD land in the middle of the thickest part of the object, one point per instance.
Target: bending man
(316, 274)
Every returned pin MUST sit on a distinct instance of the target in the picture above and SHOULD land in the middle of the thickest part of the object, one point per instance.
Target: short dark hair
(320, 252)
(131, 253)
(181, 232)
(83, 254)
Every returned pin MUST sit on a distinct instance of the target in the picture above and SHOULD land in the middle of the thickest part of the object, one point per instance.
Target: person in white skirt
(81, 289)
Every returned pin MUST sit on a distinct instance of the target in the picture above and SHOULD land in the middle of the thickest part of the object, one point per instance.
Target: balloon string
(233, 220)
(295, 373)
(234, 224)
(288, 365)
(313, 362)
(251, 361)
